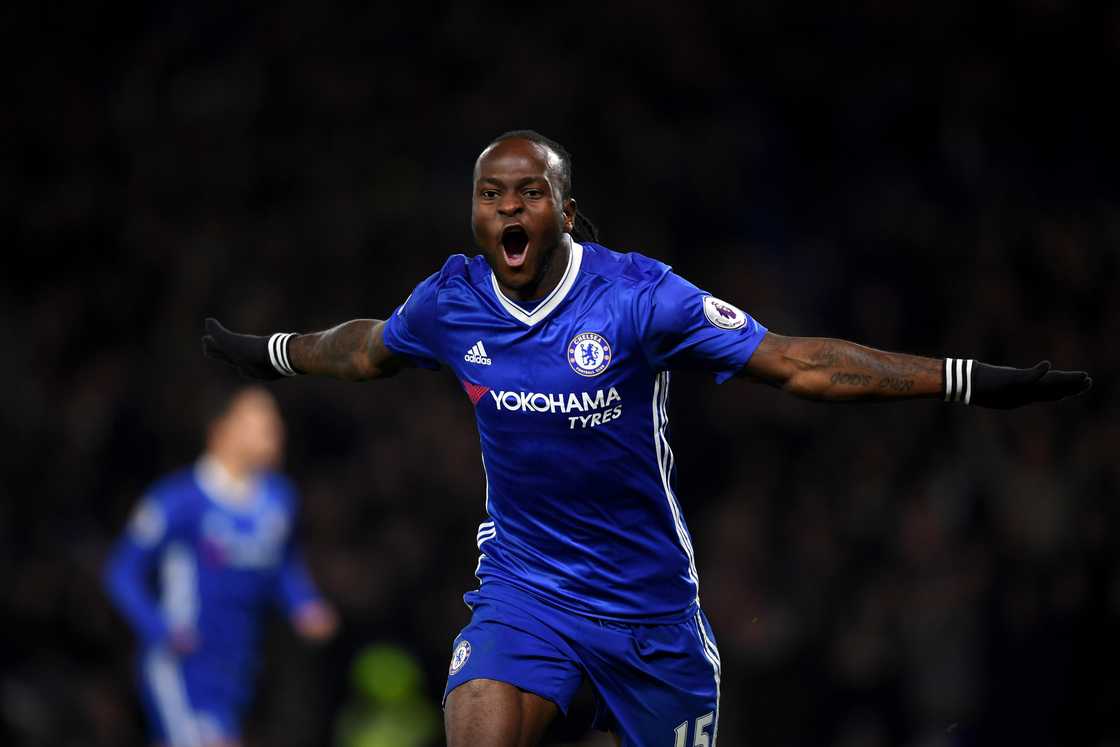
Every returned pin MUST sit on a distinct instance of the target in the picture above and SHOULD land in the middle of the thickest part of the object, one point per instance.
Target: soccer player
(565, 349)
(220, 535)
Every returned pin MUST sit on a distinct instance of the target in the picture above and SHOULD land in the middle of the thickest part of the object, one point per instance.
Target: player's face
(519, 215)
(256, 429)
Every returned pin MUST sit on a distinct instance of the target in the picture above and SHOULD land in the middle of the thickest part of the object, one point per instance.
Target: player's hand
(315, 621)
(1003, 387)
(249, 354)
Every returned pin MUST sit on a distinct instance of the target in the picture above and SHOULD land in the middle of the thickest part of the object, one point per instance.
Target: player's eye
(489, 194)
(533, 194)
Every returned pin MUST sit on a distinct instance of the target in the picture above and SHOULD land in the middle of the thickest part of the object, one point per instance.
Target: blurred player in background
(565, 349)
(219, 536)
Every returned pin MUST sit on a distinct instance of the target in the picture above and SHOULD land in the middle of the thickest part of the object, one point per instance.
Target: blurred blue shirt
(207, 555)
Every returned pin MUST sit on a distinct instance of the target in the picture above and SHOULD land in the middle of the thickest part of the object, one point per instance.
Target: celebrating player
(564, 349)
(220, 533)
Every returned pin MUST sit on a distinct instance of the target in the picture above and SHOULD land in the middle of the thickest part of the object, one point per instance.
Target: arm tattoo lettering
(837, 353)
(833, 368)
(852, 379)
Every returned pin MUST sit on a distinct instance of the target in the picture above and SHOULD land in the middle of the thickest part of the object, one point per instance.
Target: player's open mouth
(515, 242)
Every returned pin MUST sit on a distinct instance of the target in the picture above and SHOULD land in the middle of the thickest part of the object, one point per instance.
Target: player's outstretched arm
(354, 351)
(837, 370)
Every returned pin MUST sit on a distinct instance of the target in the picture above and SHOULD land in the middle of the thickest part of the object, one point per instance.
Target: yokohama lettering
(563, 403)
(591, 409)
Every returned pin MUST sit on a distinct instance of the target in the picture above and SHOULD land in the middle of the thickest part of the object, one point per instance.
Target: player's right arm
(358, 350)
(353, 351)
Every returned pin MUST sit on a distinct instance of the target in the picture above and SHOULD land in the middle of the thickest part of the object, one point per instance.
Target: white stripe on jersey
(669, 462)
(711, 653)
(485, 476)
(170, 693)
(660, 392)
(477, 568)
(179, 580)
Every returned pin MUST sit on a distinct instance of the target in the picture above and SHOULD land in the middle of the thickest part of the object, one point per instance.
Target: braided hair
(583, 229)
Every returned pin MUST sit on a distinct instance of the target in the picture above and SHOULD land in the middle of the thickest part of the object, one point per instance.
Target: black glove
(976, 383)
(255, 356)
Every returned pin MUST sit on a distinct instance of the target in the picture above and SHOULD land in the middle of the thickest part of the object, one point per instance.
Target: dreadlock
(582, 229)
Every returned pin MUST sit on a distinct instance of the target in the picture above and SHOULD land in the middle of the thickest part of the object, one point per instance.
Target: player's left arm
(311, 616)
(837, 370)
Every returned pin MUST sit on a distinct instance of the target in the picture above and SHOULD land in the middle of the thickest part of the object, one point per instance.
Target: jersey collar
(221, 487)
(553, 299)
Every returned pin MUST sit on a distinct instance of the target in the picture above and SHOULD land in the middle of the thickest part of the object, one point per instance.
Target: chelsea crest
(459, 656)
(589, 354)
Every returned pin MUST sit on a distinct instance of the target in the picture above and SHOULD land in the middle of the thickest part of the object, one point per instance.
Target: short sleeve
(162, 514)
(148, 525)
(685, 328)
(412, 330)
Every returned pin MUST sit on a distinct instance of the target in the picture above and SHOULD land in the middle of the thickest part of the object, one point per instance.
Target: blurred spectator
(221, 537)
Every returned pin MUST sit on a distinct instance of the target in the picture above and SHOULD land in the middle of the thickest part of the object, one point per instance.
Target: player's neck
(549, 279)
(230, 474)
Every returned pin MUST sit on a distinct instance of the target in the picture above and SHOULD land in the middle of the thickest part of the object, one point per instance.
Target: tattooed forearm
(825, 368)
(866, 372)
(352, 350)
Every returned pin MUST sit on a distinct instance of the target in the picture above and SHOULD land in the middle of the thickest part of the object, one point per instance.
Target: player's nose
(510, 204)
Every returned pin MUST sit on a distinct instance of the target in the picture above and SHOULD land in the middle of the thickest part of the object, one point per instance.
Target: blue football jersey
(219, 562)
(570, 398)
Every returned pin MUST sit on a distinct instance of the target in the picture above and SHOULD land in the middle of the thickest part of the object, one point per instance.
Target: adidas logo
(477, 354)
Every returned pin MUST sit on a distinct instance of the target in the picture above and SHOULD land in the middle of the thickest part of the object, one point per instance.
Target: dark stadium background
(936, 178)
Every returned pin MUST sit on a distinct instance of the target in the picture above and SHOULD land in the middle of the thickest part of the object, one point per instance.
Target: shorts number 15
(700, 736)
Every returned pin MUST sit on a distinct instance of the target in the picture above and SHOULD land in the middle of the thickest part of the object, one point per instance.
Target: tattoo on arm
(872, 373)
(836, 353)
(352, 350)
(896, 384)
(852, 379)
(824, 368)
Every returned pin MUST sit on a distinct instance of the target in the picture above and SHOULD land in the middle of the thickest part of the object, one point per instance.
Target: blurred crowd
(930, 178)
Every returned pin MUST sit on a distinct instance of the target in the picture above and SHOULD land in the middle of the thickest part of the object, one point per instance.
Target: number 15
(700, 738)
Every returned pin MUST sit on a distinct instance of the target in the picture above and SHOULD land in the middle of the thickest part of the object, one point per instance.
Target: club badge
(459, 658)
(589, 354)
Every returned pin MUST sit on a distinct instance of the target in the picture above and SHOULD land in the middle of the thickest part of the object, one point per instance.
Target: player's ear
(569, 210)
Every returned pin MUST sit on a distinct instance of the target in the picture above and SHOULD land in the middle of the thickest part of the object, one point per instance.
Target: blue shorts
(653, 683)
(179, 712)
